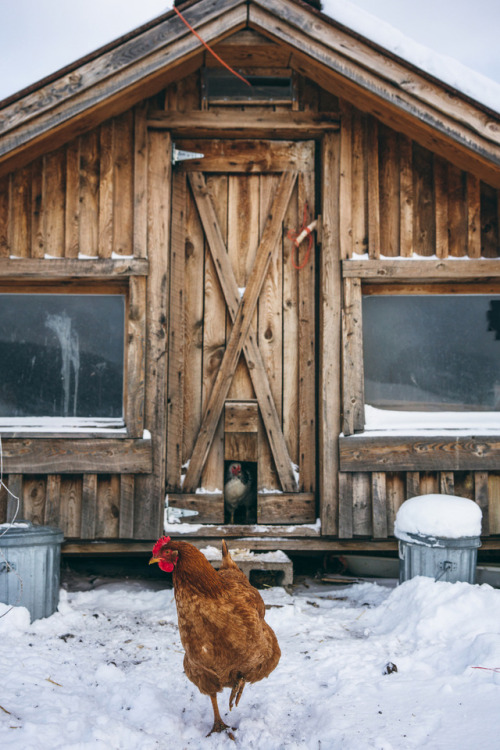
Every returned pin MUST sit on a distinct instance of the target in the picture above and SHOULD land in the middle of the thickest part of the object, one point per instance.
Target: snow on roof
(452, 72)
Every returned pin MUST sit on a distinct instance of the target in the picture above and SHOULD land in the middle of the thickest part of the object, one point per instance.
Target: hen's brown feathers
(221, 623)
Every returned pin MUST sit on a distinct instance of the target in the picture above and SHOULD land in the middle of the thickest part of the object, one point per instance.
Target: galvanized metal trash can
(30, 567)
(438, 537)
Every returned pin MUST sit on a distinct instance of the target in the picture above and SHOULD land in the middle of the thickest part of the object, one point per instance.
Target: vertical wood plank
(140, 182)
(54, 202)
(329, 336)
(395, 489)
(214, 337)
(406, 195)
(290, 394)
(429, 483)
(359, 186)
(494, 503)
(307, 350)
(3, 504)
(457, 213)
(361, 504)
(71, 220)
(345, 186)
(34, 499)
(176, 343)
(15, 500)
(490, 221)
(446, 483)
(52, 500)
(89, 194)
(424, 234)
(441, 206)
(108, 507)
(20, 219)
(126, 517)
(270, 337)
(37, 210)
(373, 190)
(379, 505)
(353, 370)
(345, 524)
(243, 240)
(412, 484)
(89, 506)
(106, 188)
(481, 496)
(473, 216)
(136, 355)
(123, 193)
(71, 498)
(150, 489)
(389, 192)
(5, 215)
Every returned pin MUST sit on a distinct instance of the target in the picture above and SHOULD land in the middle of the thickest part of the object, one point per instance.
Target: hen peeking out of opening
(240, 492)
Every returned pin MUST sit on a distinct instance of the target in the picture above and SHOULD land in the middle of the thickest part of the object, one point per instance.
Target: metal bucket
(30, 567)
(443, 559)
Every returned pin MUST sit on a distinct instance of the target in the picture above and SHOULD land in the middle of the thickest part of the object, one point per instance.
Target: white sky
(37, 37)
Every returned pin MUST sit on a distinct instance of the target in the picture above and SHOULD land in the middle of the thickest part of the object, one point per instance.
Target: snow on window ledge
(385, 421)
(62, 425)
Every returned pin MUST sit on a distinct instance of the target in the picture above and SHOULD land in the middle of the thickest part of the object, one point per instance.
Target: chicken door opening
(240, 492)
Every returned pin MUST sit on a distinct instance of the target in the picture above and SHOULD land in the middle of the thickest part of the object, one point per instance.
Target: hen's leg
(236, 692)
(219, 725)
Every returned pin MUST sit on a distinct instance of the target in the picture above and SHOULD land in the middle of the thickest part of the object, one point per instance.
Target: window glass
(432, 352)
(61, 355)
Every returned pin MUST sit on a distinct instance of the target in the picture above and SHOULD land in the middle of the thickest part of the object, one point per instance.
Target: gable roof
(143, 62)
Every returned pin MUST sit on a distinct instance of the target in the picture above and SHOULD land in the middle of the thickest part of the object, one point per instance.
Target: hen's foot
(221, 726)
(236, 692)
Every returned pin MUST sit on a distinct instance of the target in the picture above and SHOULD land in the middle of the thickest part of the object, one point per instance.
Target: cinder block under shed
(247, 561)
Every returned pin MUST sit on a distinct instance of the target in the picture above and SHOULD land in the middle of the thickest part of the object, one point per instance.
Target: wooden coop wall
(405, 214)
(97, 211)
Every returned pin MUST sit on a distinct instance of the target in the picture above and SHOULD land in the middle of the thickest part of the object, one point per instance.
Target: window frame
(443, 450)
(133, 290)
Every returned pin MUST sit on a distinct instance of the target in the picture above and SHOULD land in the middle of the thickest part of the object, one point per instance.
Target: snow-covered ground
(105, 671)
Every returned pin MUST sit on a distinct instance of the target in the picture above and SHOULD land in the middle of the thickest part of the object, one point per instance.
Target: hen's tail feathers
(227, 560)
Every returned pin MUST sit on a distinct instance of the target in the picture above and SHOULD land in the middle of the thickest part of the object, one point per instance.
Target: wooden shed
(157, 320)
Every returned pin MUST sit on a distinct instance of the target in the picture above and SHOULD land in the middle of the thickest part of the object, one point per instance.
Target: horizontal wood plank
(59, 268)
(229, 157)
(232, 123)
(421, 270)
(399, 453)
(209, 506)
(74, 456)
(286, 508)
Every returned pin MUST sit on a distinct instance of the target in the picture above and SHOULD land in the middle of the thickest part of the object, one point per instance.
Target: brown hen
(226, 640)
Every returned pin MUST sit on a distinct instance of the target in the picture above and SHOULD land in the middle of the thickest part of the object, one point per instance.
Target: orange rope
(295, 249)
(210, 49)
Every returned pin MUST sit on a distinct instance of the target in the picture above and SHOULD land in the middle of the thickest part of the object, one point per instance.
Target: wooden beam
(414, 454)
(329, 335)
(352, 360)
(422, 270)
(76, 455)
(230, 123)
(71, 268)
(226, 156)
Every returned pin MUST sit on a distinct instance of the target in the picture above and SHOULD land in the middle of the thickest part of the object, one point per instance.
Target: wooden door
(241, 370)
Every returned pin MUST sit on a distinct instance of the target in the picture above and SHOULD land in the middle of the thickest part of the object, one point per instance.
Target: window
(433, 352)
(62, 359)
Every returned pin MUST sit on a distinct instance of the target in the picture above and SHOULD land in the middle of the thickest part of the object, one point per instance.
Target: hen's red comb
(159, 544)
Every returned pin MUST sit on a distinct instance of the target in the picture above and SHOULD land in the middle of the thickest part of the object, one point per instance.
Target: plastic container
(30, 567)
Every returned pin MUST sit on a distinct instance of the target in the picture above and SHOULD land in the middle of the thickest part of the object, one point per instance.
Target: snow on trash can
(30, 566)
(438, 537)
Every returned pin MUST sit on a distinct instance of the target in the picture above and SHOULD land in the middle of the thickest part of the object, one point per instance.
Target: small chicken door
(242, 332)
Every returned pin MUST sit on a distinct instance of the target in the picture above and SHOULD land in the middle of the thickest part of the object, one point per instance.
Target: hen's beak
(154, 560)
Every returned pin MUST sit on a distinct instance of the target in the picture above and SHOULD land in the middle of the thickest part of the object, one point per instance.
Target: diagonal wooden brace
(242, 336)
